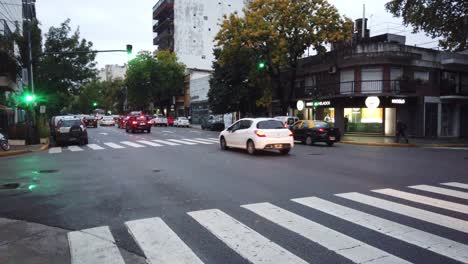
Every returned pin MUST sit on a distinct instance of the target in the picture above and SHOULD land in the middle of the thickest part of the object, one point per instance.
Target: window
(245, 124)
(305, 124)
(236, 126)
(270, 124)
(371, 80)
(421, 75)
(347, 81)
(205, 17)
(297, 125)
(320, 124)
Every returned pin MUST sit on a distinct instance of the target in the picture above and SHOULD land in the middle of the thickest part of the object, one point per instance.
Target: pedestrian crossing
(160, 244)
(137, 144)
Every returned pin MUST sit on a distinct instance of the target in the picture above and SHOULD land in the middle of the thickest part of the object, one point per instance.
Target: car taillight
(321, 130)
(260, 133)
(150, 122)
(286, 125)
(291, 133)
(134, 122)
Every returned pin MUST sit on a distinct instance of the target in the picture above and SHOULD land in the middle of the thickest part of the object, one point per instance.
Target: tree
(138, 80)
(279, 32)
(438, 18)
(168, 77)
(60, 76)
(107, 94)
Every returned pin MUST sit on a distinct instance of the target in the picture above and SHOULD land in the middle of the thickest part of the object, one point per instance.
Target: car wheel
(223, 144)
(251, 147)
(330, 143)
(284, 151)
(309, 140)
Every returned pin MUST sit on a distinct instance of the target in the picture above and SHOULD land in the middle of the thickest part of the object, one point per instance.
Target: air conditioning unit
(332, 70)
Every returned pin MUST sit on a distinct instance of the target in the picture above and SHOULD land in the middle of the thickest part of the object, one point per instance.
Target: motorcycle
(4, 142)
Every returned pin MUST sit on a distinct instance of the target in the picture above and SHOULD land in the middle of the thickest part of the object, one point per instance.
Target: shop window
(364, 120)
(422, 76)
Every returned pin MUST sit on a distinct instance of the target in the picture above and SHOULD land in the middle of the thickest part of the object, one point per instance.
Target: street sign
(42, 109)
(372, 102)
(300, 105)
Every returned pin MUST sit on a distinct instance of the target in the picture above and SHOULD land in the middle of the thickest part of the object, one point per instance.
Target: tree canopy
(438, 18)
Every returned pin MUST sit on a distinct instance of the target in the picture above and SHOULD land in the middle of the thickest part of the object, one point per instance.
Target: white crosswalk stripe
(94, 147)
(159, 243)
(149, 143)
(198, 141)
(214, 138)
(113, 145)
(348, 247)
(245, 241)
(443, 191)
(55, 150)
(166, 142)
(131, 144)
(456, 207)
(456, 184)
(413, 212)
(428, 241)
(74, 148)
(95, 245)
(208, 140)
(182, 142)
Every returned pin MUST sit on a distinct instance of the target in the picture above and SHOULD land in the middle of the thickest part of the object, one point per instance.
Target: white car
(255, 134)
(107, 121)
(160, 120)
(181, 122)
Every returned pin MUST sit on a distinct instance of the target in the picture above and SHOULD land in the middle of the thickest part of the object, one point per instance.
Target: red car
(138, 123)
(122, 121)
(170, 121)
(90, 121)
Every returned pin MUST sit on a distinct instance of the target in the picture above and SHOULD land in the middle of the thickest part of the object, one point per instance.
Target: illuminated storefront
(365, 120)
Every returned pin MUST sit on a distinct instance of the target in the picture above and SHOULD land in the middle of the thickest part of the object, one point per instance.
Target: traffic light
(29, 98)
(261, 65)
(129, 49)
(95, 104)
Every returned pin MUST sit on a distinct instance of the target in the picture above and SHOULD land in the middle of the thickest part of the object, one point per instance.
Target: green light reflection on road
(32, 187)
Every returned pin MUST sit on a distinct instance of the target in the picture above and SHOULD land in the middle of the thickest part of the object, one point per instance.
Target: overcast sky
(111, 24)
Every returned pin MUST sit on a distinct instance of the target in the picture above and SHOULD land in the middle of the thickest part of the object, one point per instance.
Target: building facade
(368, 86)
(188, 28)
(112, 72)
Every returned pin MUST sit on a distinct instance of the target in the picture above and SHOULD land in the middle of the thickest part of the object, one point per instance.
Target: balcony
(161, 6)
(452, 89)
(358, 88)
(162, 25)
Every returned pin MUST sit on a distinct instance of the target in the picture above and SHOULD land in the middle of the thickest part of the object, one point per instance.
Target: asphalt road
(105, 186)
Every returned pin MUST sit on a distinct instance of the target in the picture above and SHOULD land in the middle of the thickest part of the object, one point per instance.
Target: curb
(24, 151)
(375, 144)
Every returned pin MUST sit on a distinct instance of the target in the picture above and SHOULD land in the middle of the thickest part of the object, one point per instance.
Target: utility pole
(363, 21)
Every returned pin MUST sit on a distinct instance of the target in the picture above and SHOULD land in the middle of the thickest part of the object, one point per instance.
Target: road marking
(198, 141)
(214, 138)
(182, 142)
(208, 140)
(94, 147)
(114, 146)
(159, 243)
(105, 134)
(131, 144)
(350, 248)
(428, 241)
(149, 143)
(55, 150)
(165, 131)
(95, 245)
(456, 184)
(242, 239)
(74, 148)
(413, 212)
(439, 190)
(461, 208)
(165, 142)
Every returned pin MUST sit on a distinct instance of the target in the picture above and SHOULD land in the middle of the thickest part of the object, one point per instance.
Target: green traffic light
(129, 49)
(29, 98)
(95, 104)
(261, 65)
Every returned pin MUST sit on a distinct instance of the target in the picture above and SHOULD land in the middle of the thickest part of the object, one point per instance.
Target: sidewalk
(17, 150)
(413, 142)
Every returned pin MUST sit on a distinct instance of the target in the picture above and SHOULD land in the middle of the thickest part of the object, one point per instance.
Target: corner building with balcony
(188, 28)
(424, 88)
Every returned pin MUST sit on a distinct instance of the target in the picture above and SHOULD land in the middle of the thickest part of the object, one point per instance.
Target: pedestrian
(346, 121)
(401, 131)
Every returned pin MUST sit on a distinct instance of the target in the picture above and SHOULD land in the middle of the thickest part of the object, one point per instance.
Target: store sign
(398, 101)
(300, 105)
(319, 103)
(372, 102)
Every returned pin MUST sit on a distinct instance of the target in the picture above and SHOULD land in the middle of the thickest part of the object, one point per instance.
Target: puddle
(9, 186)
(45, 171)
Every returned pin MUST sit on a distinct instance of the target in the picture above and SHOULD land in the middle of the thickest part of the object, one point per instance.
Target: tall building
(112, 72)
(188, 28)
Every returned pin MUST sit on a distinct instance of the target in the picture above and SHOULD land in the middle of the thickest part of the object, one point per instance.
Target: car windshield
(270, 124)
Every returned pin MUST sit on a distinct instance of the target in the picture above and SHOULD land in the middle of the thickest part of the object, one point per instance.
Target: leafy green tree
(60, 76)
(107, 94)
(438, 18)
(139, 82)
(168, 78)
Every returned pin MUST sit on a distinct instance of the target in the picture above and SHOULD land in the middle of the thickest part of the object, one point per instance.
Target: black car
(213, 123)
(311, 131)
(71, 130)
(90, 121)
(138, 123)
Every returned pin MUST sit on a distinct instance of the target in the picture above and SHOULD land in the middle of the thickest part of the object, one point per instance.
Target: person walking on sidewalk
(401, 131)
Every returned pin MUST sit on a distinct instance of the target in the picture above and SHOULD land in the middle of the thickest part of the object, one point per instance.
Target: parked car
(287, 120)
(213, 123)
(255, 134)
(311, 131)
(90, 121)
(54, 122)
(107, 121)
(181, 122)
(121, 122)
(138, 123)
(71, 130)
(160, 120)
(170, 121)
